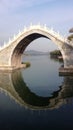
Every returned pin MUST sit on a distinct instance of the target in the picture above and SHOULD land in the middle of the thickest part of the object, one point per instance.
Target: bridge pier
(11, 68)
(7, 69)
(65, 71)
(67, 68)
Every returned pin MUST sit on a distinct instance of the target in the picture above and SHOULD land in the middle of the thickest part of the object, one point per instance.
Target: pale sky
(15, 14)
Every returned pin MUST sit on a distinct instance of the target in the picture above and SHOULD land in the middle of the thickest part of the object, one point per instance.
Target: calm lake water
(36, 98)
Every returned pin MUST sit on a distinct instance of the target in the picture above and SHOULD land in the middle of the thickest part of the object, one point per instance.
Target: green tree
(70, 37)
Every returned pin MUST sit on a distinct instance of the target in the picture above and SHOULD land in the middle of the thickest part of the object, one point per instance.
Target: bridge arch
(11, 53)
(25, 40)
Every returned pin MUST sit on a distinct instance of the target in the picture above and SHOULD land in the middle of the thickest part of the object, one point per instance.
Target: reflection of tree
(13, 84)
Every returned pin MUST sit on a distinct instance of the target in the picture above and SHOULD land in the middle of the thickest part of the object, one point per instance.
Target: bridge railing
(31, 27)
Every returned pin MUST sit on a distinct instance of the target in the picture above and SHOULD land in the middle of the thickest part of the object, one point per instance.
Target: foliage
(27, 64)
(56, 52)
(70, 38)
(71, 30)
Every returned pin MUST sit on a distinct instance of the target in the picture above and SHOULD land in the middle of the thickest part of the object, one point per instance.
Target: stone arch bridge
(10, 53)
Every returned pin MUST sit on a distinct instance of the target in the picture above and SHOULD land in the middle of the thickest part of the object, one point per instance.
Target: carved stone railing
(32, 27)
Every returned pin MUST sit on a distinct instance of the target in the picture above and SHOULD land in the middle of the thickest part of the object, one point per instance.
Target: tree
(70, 37)
(71, 30)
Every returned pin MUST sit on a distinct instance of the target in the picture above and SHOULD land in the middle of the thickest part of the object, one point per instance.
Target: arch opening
(21, 46)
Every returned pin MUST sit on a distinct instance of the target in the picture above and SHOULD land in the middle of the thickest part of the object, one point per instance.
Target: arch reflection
(14, 85)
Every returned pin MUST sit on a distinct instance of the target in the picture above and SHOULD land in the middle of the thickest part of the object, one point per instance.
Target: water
(42, 76)
(36, 98)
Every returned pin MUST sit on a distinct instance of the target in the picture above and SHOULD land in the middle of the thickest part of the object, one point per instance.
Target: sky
(15, 14)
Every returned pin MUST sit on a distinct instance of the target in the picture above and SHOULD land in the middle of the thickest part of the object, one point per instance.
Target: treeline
(56, 53)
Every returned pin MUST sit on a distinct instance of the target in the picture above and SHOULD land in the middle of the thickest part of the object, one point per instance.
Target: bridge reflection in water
(14, 86)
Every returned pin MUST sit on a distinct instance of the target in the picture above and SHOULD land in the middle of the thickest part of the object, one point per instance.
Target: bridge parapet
(34, 27)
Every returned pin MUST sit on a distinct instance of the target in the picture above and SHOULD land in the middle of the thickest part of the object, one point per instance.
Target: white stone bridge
(11, 53)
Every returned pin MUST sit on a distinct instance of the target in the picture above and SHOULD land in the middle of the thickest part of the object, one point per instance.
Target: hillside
(33, 52)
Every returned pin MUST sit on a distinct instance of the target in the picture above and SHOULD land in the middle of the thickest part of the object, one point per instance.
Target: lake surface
(36, 98)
